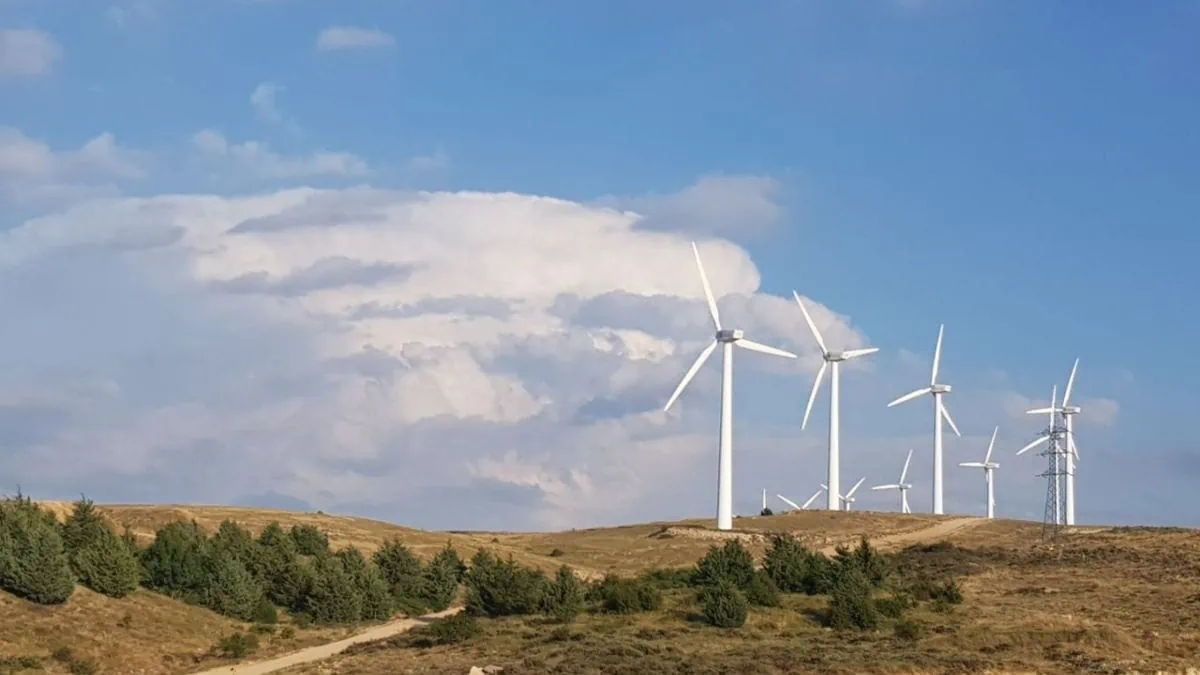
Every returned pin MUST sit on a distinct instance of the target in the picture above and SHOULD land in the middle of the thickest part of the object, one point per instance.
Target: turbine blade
(885, 487)
(708, 294)
(906, 461)
(1039, 411)
(976, 465)
(813, 396)
(1033, 444)
(789, 502)
(811, 499)
(1071, 444)
(910, 396)
(991, 444)
(855, 488)
(1053, 396)
(937, 355)
(811, 326)
(946, 414)
(855, 353)
(1070, 384)
(691, 373)
(824, 486)
(759, 347)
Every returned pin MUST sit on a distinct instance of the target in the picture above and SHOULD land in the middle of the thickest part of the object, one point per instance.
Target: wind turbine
(727, 338)
(1050, 432)
(836, 359)
(988, 467)
(1068, 413)
(806, 504)
(901, 486)
(790, 503)
(848, 498)
(939, 412)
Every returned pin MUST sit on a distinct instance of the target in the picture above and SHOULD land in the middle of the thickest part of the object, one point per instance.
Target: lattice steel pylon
(1055, 474)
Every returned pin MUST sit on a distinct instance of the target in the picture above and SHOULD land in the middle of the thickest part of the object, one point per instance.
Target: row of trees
(232, 572)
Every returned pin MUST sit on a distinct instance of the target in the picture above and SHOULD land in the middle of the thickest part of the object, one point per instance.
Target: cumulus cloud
(339, 38)
(254, 159)
(31, 171)
(27, 52)
(717, 205)
(371, 349)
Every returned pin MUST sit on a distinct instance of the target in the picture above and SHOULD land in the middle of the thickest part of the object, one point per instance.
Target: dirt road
(932, 533)
(324, 651)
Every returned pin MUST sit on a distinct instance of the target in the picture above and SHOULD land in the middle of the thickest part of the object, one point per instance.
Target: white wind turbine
(848, 498)
(836, 359)
(1051, 430)
(1068, 413)
(939, 412)
(806, 504)
(727, 338)
(901, 486)
(988, 467)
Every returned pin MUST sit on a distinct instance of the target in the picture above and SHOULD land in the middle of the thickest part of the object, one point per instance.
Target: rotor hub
(834, 357)
(729, 335)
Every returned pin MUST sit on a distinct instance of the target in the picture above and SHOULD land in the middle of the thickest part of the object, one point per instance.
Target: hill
(1098, 600)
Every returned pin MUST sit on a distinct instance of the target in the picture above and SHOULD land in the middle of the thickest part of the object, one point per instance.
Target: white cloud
(438, 160)
(27, 52)
(717, 205)
(337, 38)
(263, 101)
(254, 159)
(31, 171)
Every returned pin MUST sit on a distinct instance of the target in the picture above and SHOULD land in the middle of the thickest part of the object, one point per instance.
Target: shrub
(232, 590)
(873, 564)
(279, 569)
(564, 597)
(63, 655)
(177, 562)
(333, 597)
(453, 629)
(287, 633)
(893, 607)
(84, 526)
(235, 541)
(909, 630)
(263, 629)
(33, 562)
(627, 596)
(557, 553)
(762, 591)
(850, 604)
(405, 577)
(670, 577)
(265, 613)
(105, 565)
(83, 667)
(238, 645)
(377, 602)
(724, 605)
(441, 578)
(787, 563)
(731, 562)
(948, 592)
(19, 663)
(766, 511)
(309, 540)
(498, 587)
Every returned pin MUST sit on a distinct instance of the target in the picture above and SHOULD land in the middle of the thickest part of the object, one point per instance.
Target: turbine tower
(848, 498)
(939, 412)
(727, 338)
(836, 359)
(988, 467)
(901, 486)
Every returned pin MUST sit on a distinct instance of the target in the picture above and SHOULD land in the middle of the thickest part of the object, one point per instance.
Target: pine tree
(178, 561)
(333, 597)
(33, 562)
(232, 590)
(106, 565)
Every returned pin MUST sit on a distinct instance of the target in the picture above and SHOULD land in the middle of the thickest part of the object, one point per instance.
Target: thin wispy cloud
(27, 52)
(340, 38)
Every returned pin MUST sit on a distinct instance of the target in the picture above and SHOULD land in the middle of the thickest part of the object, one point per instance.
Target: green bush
(909, 630)
(873, 564)
(557, 553)
(893, 607)
(405, 577)
(310, 540)
(564, 597)
(377, 604)
(724, 605)
(84, 526)
(441, 576)
(237, 645)
(669, 578)
(731, 562)
(333, 597)
(236, 542)
(280, 570)
(453, 629)
(33, 562)
(498, 587)
(105, 565)
(627, 596)
(787, 563)
(15, 664)
(762, 591)
(766, 511)
(63, 654)
(850, 603)
(83, 667)
(231, 590)
(265, 613)
(287, 633)
(178, 561)
(948, 591)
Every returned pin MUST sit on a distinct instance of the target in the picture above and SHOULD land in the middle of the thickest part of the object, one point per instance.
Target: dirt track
(932, 533)
(324, 651)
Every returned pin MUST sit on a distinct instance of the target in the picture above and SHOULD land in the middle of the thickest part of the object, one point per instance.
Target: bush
(724, 605)
(564, 597)
(178, 561)
(237, 645)
(731, 562)
(766, 511)
(265, 613)
(787, 563)
(84, 526)
(909, 630)
(502, 587)
(310, 540)
(873, 564)
(63, 655)
(453, 629)
(557, 553)
(333, 597)
(235, 541)
(287, 633)
(377, 602)
(441, 578)
(232, 591)
(19, 663)
(83, 667)
(948, 592)
(33, 562)
(669, 578)
(762, 591)
(106, 566)
(850, 603)
(405, 577)
(279, 569)
(893, 607)
(627, 596)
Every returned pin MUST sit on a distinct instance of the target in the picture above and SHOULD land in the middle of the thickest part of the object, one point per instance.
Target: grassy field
(1103, 600)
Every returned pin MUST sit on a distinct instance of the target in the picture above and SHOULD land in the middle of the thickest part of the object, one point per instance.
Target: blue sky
(1023, 171)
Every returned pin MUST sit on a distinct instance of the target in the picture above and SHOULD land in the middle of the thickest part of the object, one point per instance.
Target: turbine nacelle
(729, 335)
(940, 389)
(1070, 410)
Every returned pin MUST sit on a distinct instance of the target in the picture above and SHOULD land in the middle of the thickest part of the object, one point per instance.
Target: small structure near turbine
(848, 498)
(834, 358)
(726, 338)
(901, 486)
(1069, 451)
(988, 467)
(939, 412)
